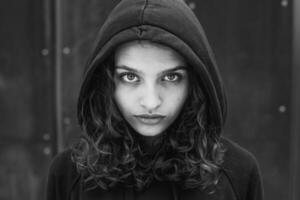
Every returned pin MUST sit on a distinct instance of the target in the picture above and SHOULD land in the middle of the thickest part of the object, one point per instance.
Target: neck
(150, 144)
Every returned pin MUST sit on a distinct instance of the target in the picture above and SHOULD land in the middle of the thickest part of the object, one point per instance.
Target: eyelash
(177, 78)
(123, 76)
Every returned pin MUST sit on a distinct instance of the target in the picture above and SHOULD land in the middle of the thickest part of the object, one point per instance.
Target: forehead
(144, 55)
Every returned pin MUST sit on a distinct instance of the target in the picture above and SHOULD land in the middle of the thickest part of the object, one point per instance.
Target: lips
(150, 119)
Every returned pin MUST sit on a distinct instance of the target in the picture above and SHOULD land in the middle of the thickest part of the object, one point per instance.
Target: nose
(150, 99)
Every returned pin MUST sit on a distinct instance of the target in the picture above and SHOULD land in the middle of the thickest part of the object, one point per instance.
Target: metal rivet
(67, 120)
(284, 3)
(47, 151)
(282, 109)
(66, 50)
(192, 5)
(46, 136)
(45, 52)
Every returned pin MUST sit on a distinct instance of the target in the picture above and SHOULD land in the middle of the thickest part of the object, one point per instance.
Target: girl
(152, 108)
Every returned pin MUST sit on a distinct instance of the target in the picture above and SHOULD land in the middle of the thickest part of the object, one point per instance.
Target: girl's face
(151, 85)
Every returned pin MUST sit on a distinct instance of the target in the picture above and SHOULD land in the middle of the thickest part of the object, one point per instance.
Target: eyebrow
(137, 71)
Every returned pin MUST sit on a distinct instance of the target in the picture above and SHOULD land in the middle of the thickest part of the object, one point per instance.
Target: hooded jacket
(168, 22)
(173, 24)
(239, 180)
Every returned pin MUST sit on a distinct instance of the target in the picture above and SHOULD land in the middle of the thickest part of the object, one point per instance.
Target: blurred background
(44, 45)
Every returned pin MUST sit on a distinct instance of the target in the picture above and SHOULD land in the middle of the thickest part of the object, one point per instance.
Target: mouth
(150, 119)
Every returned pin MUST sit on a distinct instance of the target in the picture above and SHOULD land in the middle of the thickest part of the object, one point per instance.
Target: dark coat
(240, 180)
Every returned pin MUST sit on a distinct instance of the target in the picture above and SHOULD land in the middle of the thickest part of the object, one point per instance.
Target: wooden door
(45, 44)
(26, 100)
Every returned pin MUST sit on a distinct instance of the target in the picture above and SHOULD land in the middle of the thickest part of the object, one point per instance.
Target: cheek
(176, 98)
(124, 99)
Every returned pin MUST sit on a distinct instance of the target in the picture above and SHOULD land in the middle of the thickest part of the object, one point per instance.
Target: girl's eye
(129, 77)
(171, 77)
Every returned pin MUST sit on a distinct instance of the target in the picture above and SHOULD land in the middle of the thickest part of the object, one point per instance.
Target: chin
(148, 133)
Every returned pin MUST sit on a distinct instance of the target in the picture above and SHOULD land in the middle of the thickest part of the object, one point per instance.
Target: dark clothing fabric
(239, 180)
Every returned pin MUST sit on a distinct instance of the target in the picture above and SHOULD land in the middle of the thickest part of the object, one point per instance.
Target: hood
(167, 22)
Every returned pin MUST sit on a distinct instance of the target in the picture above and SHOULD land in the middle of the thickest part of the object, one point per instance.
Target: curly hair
(110, 152)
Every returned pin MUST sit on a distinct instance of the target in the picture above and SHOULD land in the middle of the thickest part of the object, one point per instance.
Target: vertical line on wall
(295, 109)
(48, 52)
(57, 76)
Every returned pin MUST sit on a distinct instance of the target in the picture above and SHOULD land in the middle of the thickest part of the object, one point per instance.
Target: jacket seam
(73, 185)
(137, 26)
(232, 185)
(143, 12)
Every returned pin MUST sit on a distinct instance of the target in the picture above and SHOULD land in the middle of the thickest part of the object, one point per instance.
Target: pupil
(171, 76)
(130, 76)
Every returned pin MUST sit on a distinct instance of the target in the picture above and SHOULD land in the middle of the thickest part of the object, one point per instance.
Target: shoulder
(242, 169)
(62, 163)
(62, 176)
(237, 156)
